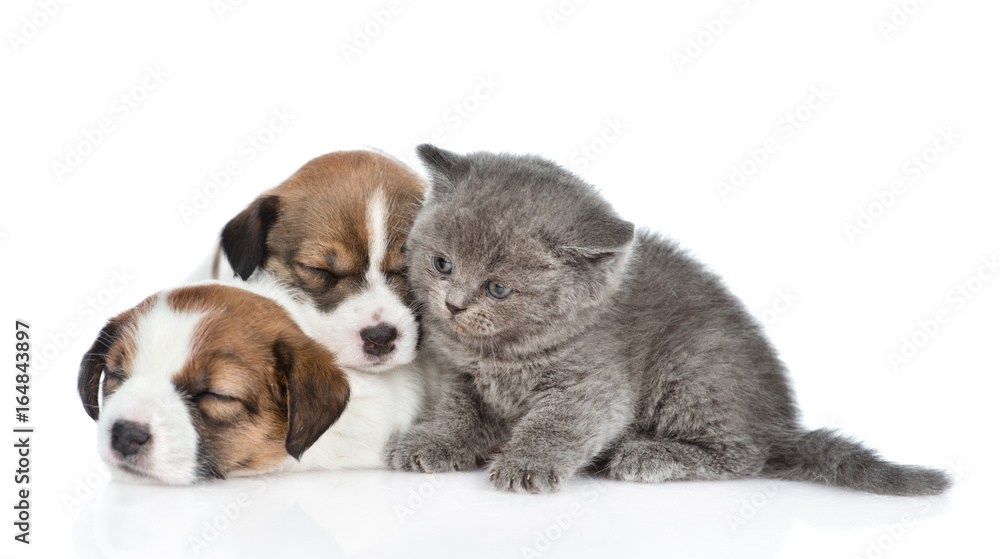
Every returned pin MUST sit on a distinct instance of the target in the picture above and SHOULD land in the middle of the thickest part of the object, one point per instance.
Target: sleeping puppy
(212, 380)
(333, 234)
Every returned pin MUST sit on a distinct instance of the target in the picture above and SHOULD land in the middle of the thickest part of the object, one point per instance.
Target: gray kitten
(571, 342)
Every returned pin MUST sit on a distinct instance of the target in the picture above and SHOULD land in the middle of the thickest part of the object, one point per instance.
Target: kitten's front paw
(516, 475)
(421, 451)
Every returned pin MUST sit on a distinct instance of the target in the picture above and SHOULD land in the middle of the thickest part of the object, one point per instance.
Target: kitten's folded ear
(598, 238)
(446, 168)
(597, 254)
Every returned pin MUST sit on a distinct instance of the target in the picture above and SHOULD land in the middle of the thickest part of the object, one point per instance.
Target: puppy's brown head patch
(259, 388)
(314, 231)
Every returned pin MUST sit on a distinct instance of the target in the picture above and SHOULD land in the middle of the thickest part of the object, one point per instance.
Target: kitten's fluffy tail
(824, 456)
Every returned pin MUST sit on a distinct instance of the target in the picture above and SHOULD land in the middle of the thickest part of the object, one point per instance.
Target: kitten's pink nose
(453, 309)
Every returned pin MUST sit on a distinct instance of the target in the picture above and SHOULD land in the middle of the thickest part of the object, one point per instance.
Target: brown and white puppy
(213, 380)
(333, 233)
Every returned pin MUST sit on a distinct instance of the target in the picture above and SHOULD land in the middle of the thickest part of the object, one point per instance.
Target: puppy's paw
(420, 451)
(518, 475)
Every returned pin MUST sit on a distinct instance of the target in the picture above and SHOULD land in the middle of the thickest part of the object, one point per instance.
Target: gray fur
(617, 354)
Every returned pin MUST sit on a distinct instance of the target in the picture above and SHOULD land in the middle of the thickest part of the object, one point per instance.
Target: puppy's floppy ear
(88, 381)
(317, 390)
(446, 168)
(244, 238)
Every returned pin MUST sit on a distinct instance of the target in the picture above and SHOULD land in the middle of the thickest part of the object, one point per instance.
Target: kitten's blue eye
(441, 265)
(498, 291)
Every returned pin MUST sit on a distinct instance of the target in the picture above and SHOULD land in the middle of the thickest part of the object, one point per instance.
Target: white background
(662, 134)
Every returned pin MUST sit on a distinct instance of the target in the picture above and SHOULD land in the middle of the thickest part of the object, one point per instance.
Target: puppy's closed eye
(318, 273)
(211, 395)
(220, 407)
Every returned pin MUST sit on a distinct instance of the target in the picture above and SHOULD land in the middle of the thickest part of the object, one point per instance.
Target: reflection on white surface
(389, 514)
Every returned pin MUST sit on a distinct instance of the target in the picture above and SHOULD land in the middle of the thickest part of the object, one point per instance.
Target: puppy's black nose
(453, 309)
(379, 339)
(128, 437)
